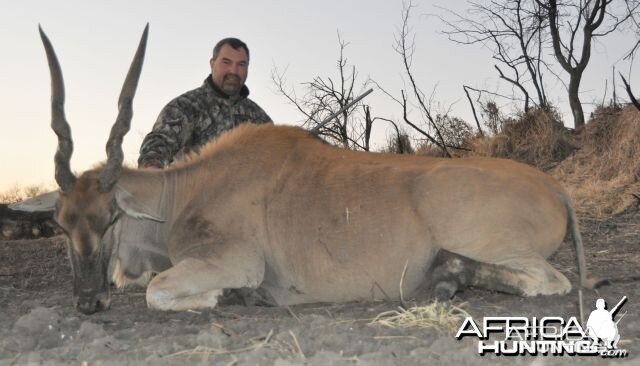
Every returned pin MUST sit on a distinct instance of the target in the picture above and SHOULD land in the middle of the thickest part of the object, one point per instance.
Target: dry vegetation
(18, 193)
(537, 138)
(603, 176)
(443, 317)
(599, 164)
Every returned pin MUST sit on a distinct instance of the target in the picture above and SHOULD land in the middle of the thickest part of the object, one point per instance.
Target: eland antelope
(273, 208)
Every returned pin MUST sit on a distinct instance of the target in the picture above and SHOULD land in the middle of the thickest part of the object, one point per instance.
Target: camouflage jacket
(193, 119)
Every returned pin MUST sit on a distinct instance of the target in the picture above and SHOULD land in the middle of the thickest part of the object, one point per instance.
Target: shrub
(537, 138)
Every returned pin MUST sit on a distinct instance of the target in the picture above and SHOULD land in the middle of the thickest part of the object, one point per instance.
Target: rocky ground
(38, 325)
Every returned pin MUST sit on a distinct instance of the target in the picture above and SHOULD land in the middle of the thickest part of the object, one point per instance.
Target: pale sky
(95, 42)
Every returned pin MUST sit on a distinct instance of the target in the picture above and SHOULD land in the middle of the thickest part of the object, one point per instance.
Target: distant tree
(634, 18)
(515, 33)
(433, 126)
(596, 18)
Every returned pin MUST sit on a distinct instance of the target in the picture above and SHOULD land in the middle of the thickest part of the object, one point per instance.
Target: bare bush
(492, 117)
(323, 96)
(455, 131)
(399, 144)
(537, 138)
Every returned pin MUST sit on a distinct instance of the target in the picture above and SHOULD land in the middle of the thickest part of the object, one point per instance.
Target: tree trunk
(574, 99)
(593, 19)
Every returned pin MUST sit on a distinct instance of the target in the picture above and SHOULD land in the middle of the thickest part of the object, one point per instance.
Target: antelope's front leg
(197, 283)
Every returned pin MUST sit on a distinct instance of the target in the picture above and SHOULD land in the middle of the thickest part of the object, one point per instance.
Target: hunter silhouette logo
(601, 327)
(548, 335)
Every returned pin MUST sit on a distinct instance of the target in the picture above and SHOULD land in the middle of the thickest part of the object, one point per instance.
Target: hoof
(445, 290)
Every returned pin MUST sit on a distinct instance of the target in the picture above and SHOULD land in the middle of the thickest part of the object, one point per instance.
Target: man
(198, 116)
(600, 325)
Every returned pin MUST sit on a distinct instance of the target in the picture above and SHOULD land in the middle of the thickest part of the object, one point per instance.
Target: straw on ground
(437, 315)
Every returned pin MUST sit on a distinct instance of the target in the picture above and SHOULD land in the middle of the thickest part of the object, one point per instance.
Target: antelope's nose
(91, 304)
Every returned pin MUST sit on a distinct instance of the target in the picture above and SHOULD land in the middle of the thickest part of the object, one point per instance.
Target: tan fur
(273, 207)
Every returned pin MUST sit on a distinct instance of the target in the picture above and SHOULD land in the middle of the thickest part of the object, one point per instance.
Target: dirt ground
(38, 325)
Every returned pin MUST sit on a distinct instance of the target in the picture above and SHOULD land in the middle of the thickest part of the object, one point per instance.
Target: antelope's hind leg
(522, 276)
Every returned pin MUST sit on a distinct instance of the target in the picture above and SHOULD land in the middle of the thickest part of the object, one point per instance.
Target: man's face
(229, 70)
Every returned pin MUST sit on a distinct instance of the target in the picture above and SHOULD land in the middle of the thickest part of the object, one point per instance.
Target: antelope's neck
(140, 245)
(151, 188)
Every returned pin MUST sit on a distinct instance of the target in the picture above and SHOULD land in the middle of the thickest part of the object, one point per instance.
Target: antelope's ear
(128, 203)
(41, 203)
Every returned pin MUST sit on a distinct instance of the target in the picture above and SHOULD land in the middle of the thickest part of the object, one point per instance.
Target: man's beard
(231, 84)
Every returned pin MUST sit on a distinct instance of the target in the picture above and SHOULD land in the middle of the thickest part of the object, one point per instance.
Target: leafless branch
(406, 49)
(514, 31)
(473, 109)
(324, 96)
(634, 100)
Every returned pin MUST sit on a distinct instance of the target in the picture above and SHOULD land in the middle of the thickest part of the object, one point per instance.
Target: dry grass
(17, 193)
(398, 144)
(599, 166)
(210, 351)
(536, 138)
(429, 149)
(604, 174)
(439, 316)
(285, 347)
